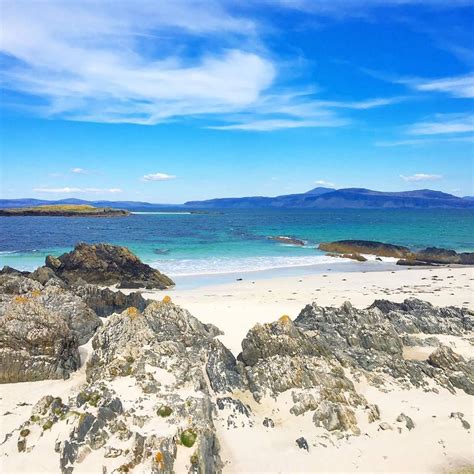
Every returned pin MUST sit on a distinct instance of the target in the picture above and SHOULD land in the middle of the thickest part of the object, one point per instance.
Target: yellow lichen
(36, 293)
(166, 300)
(132, 312)
(159, 459)
(20, 299)
(285, 319)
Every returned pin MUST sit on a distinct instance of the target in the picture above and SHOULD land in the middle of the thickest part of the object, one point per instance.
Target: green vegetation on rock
(188, 438)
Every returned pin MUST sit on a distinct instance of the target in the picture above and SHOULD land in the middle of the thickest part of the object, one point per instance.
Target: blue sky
(176, 100)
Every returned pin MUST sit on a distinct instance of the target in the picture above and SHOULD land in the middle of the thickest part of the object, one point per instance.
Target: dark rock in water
(105, 264)
(365, 246)
(444, 256)
(288, 240)
(35, 342)
(161, 251)
(106, 302)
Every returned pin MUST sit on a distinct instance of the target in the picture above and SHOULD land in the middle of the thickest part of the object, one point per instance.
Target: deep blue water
(234, 240)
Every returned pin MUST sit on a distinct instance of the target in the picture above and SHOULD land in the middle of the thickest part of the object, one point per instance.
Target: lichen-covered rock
(458, 371)
(105, 302)
(105, 264)
(416, 316)
(36, 342)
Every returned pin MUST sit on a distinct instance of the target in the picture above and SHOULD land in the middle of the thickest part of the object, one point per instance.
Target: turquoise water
(233, 240)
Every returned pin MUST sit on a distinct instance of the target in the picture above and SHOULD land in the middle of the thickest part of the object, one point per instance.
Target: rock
(444, 256)
(413, 263)
(35, 342)
(268, 423)
(105, 302)
(302, 443)
(458, 371)
(334, 417)
(354, 256)
(288, 240)
(414, 315)
(14, 284)
(384, 426)
(7, 270)
(105, 264)
(460, 416)
(365, 247)
(402, 418)
(44, 274)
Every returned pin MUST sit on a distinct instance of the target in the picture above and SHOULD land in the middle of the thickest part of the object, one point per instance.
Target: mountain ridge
(318, 198)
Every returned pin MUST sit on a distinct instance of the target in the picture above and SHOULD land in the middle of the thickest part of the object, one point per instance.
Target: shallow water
(232, 241)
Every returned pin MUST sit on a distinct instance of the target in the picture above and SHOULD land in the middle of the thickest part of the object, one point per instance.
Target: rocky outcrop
(105, 302)
(365, 247)
(35, 342)
(278, 357)
(150, 395)
(105, 264)
(371, 340)
(288, 240)
(444, 256)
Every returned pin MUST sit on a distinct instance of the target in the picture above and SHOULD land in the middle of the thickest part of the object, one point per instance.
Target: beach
(235, 307)
(438, 443)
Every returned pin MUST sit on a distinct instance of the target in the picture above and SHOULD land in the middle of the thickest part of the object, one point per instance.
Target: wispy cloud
(158, 177)
(425, 141)
(421, 177)
(79, 171)
(131, 63)
(69, 190)
(459, 86)
(442, 124)
(322, 182)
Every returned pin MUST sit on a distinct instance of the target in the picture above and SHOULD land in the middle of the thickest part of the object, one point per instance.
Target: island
(70, 210)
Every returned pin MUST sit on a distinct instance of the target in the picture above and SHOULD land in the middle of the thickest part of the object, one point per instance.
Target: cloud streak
(444, 124)
(158, 177)
(421, 177)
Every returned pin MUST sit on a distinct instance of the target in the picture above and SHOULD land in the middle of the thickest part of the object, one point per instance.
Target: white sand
(236, 307)
(437, 444)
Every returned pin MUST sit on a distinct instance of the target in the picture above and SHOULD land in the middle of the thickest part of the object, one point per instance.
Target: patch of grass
(188, 438)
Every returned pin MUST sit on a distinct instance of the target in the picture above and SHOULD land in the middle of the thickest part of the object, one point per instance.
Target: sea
(219, 246)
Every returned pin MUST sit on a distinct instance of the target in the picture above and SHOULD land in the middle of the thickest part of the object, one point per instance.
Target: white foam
(220, 265)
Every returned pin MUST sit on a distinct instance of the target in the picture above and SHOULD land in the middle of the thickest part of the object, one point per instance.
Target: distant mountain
(317, 198)
(354, 198)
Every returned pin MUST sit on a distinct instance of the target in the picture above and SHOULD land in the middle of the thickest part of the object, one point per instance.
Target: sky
(179, 100)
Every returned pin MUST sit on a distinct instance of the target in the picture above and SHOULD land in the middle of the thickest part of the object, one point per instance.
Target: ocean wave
(7, 252)
(222, 265)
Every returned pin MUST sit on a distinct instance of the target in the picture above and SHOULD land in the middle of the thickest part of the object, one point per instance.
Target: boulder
(105, 264)
(35, 342)
(444, 256)
(106, 302)
(365, 247)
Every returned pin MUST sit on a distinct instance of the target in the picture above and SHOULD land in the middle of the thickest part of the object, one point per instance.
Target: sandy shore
(439, 443)
(236, 307)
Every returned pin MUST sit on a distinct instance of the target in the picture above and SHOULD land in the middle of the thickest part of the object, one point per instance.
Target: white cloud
(78, 171)
(460, 86)
(68, 190)
(444, 124)
(158, 177)
(322, 182)
(130, 62)
(421, 177)
(425, 141)
(267, 125)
